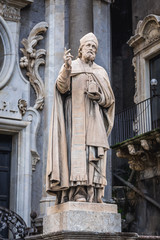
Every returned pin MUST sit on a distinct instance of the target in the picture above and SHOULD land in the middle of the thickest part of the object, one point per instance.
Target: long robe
(80, 128)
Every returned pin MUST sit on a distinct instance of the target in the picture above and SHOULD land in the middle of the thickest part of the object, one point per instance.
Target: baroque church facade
(33, 36)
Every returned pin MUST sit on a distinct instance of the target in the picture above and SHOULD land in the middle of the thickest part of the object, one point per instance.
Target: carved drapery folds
(145, 45)
(33, 59)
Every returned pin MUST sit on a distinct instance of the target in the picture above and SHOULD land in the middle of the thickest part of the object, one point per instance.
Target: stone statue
(82, 119)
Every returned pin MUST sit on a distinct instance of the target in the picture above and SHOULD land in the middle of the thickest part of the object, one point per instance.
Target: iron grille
(136, 120)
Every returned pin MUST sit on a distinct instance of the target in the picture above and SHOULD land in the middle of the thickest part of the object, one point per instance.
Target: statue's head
(88, 47)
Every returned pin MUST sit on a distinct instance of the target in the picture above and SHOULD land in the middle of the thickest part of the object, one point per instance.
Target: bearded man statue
(82, 119)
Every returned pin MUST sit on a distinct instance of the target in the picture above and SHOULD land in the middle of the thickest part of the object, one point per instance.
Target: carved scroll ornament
(33, 59)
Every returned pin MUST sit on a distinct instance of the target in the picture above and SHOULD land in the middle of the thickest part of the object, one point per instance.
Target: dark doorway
(5, 163)
(155, 72)
(154, 64)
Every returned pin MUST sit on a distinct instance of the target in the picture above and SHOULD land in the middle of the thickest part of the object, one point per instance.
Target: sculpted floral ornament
(32, 59)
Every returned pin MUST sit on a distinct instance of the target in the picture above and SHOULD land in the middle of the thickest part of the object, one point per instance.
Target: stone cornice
(10, 9)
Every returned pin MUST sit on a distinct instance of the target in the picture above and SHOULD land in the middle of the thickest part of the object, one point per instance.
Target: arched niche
(1, 53)
(7, 53)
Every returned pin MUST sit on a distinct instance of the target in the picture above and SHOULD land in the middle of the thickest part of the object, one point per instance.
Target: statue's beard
(89, 57)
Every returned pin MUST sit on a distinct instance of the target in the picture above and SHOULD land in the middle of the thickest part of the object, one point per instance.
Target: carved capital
(10, 9)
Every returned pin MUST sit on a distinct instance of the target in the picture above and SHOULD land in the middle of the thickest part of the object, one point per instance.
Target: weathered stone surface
(83, 217)
(76, 206)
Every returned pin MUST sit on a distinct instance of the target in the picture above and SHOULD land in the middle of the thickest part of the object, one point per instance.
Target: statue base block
(82, 217)
(84, 236)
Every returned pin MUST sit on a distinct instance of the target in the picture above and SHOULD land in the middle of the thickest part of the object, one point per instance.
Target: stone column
(102, 30)
(54, 16)
(80, 22)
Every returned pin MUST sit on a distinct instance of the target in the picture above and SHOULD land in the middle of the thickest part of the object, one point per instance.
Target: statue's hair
(80, 51)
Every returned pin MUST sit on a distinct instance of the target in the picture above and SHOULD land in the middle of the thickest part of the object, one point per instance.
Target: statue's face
(89, 51)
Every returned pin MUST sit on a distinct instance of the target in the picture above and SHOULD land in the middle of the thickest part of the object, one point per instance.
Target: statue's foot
(79, 198)
(99, 196)
(99, 200)
(90, 194)
(82, 199)
(80, 194)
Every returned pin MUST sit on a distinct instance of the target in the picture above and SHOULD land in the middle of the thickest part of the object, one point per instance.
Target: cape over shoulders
(79, 67)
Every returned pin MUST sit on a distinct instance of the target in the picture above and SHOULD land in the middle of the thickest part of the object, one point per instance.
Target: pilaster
(102, 30)
(55, 43)
(80, 22)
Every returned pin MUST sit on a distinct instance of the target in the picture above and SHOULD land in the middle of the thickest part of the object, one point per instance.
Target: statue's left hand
(95, 96)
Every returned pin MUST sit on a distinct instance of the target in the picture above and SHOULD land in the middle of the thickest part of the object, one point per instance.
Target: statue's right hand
(67, 58)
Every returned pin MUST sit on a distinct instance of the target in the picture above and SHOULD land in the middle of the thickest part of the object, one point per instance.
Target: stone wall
(139, 12)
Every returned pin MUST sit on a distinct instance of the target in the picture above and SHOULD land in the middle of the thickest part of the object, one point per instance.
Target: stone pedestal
(82, 217)
(84, 236)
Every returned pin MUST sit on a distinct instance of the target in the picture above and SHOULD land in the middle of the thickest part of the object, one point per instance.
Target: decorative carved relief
(147, 32)
(144, 42)
(11, 13)
(135, 78)
(35, 159)
(141, 153)
(22, 105)
(33, 59)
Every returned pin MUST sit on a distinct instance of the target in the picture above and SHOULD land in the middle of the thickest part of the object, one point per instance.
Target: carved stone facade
(142, 152)
(17, 117)
(145, 45)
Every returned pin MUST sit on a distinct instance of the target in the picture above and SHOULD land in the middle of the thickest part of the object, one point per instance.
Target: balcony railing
(136, 120)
